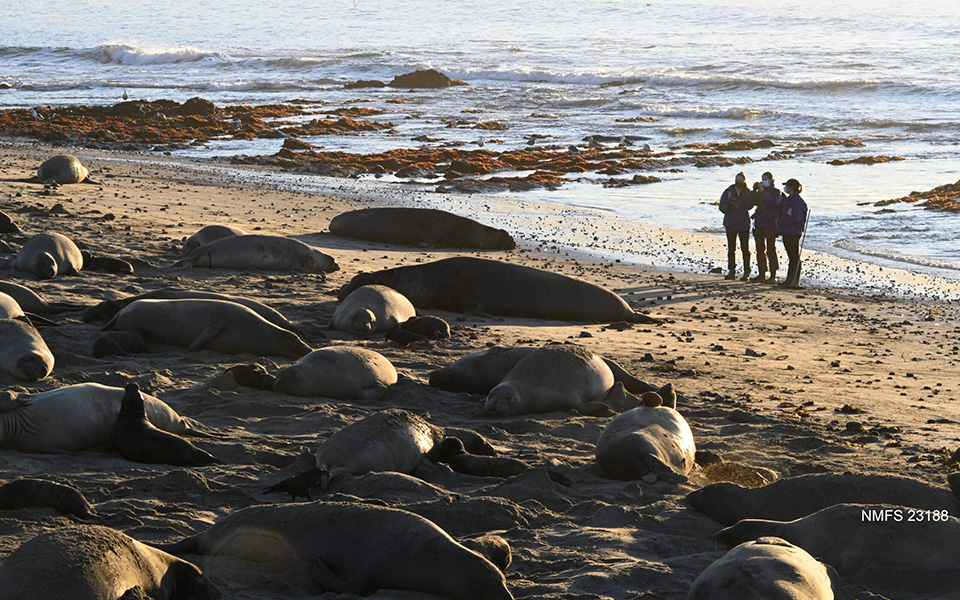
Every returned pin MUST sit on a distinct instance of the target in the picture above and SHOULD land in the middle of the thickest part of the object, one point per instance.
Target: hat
(794, 184)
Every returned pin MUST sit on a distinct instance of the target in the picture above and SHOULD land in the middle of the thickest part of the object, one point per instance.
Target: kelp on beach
(944, 198)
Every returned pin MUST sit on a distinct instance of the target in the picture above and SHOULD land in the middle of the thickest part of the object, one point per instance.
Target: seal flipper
(593, 409)
(10, 400)
(631, 383)
(327, 580)
(34, 319)
(639, 317)
(190, 545)
(205, 337)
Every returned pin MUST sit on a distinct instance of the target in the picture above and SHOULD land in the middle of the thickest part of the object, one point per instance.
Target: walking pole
(796, 278)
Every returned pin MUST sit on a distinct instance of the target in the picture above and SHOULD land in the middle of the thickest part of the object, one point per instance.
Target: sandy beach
(778, 383)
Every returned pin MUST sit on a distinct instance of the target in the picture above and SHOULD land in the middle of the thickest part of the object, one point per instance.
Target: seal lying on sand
(452, 452)
(340, 372)
(476, 285)
(646, 439)
(352, 548)
(418, 227)
(31, 493)
(62, 168)
(210, 233)
(23, 353)
(9, 308)
(797, 497)
(267, 252)
(30, 302)
(77, 417)
(429, 327)
(208, 325)
(7, 225)
(91, 562)
(370, 309)
(135, 439)
(48, 255)
(766, 568)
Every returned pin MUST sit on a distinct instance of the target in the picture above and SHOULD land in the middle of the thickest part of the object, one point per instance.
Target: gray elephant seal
(208, 325)
(476, 285)
(63, 168)
(23, 353)
(77, 417)
(30, 302)
(210, 233)
(136, 440)
(91, 562)
(32, 493)
(419, 227)
(371, 309)
(48, 255)
(430, 327)
(796, 497)
(768, 568)
(9, 308)
(352, 548)
(340, 372)
(267, 252)
(646, 440)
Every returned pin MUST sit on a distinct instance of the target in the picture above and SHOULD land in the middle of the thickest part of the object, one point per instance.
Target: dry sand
(765, 373)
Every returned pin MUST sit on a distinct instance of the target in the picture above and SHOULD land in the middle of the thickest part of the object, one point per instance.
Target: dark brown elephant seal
(63, 168)
(429, 327)
(48, 255)
(7, 225)
(32, 493)
(120, 343)
(91, 562)
(137, 440)
(451, 452)
(419, 227)
(210, 233)
(477, 285)
(797, 497)
(352, 548)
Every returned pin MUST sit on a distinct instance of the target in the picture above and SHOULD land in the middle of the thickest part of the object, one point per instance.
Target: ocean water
(886, 73)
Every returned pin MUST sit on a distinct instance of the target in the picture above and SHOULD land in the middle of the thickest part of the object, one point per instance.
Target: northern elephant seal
(63, 168)
(476, 285)
(91, 562)
(371, 309)
(137, 440)
(208, 324)
(796, 497)
(646, 440)
(77, 417)
(452, 452)
(48, 255)
(31, 493)
(210, 233)
(9, 308)
(768, 568)
(340, 372)
(267, 252)
(7, 224)
(23, 353)
(427, 326)
(298, 485)
(419, 227)
(352, 548)
(120, 343)
(30, 301)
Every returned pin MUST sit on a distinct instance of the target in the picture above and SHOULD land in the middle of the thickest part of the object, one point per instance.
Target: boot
(760, 278)
(773, 278)
(731, 276)
(746, 267)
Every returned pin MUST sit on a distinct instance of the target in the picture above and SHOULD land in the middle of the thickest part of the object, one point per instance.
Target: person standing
(791, 224)
(767, 198)
(735, 204)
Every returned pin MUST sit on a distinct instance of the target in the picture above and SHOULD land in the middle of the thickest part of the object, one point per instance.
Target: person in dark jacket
(767, 198)
(735, 204)
(792, 221)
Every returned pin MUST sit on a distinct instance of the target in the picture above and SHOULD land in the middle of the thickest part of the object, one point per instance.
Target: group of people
(777, 213)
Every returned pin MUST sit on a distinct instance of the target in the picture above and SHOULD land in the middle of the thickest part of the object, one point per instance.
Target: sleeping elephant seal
(77, 417)
(137, 440)
(23, 353)
(208, 325)
(32, 303)
(7, 224)
(91, 562)
(9, 308)
(418, 227)
(768, 568)
(477, 285)
(32, 493)
(371, 309)
(430, 327)
(340, 372)
(210, 233)
(646, 439)
(48, 255)
(267, 252)
(63, 168)
(797, 497)
(452, 452)
(352, 548)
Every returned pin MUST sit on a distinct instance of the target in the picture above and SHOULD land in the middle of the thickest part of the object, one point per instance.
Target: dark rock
(364, 83)
(427, 78)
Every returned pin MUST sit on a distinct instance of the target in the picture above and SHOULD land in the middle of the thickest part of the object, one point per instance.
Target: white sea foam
(124, 54)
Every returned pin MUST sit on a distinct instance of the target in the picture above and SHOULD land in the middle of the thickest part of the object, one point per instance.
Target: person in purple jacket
(735, 204)
(767, 198)
(793, 219)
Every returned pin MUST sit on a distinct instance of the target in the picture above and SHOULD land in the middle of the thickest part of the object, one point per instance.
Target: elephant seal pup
(796, 497)
(208, 325)
(120, 343)
(210, 233)
(136, 440)
(30, 493)
(340, 372)
(419, 227)
(646, 440)
(92, 562)
(352, 548)
(429, 327)
(267, 252)
(452, 452)
(107, 264)
(371, 309)
(493, 548)
(62, 168)
(477, 285)
(7, 225)
(77, 417)
(768, 568)
(9, 308)
(48, 255)
(23, 353)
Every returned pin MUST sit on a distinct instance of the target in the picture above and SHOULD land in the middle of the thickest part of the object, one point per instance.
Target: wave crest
(123, 54)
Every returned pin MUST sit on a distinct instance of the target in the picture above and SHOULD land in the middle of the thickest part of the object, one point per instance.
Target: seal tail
(639, 317)
(190, 545)
(631, 383)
